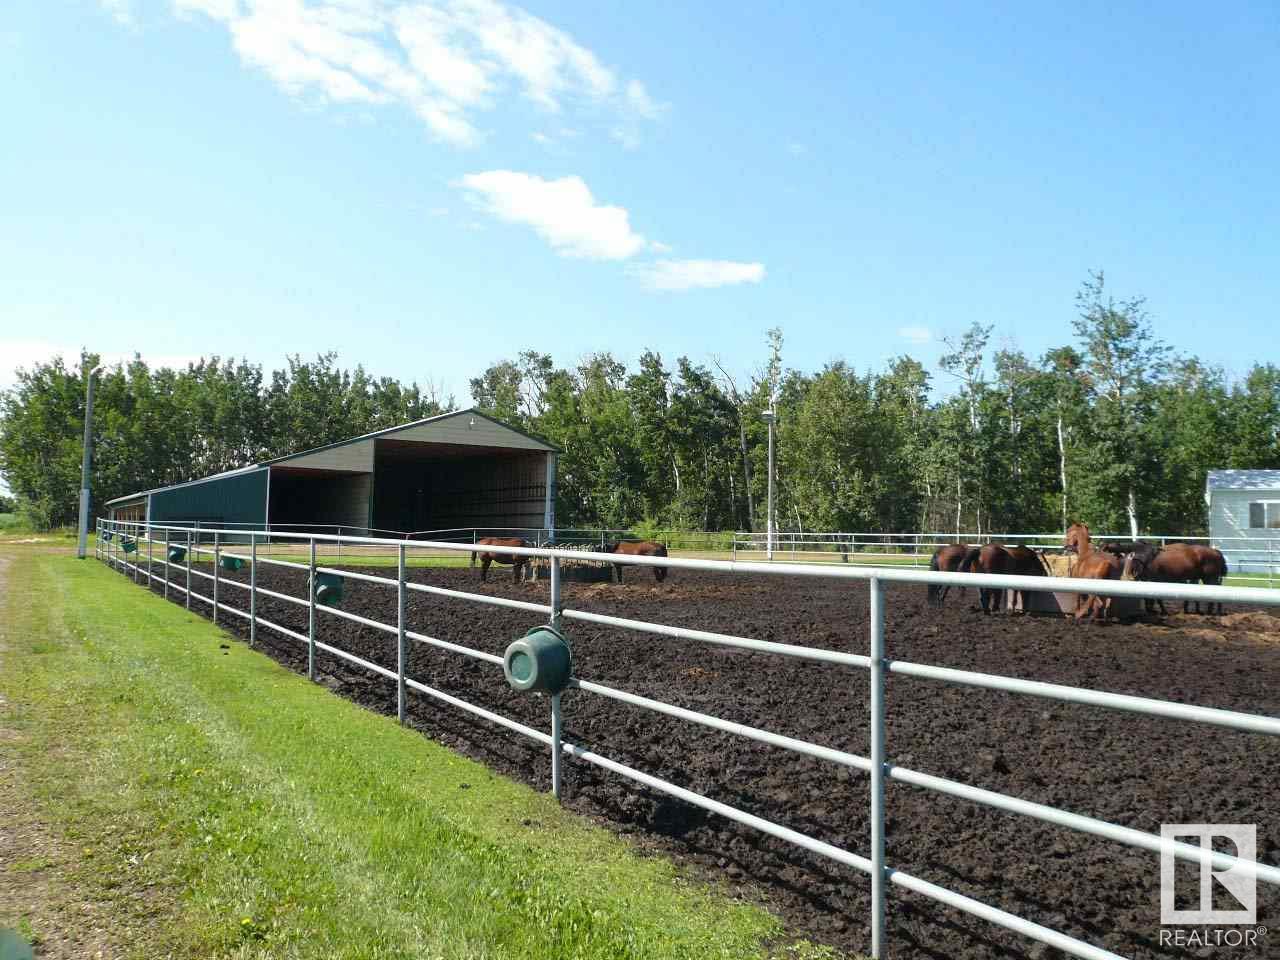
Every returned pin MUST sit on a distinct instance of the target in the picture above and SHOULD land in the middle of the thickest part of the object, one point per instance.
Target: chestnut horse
(1008, 561)
(638, 548)
(1091, 565)
(517, 563)
(946, 559)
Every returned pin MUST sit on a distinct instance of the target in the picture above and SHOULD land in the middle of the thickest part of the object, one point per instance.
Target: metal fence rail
(118, 544)
(1251, 559)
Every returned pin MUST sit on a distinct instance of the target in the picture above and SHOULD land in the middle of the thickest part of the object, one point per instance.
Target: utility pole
(84, 465)
(770, 416)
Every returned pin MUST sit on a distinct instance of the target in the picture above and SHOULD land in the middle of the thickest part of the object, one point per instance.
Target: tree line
(1115, 428)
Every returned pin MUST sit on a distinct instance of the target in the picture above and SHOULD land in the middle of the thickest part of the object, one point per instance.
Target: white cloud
(916, 334)
(563, 212)
(797, 149)
(121, 11)
(693, 274)
(26, 353)
(445, 60)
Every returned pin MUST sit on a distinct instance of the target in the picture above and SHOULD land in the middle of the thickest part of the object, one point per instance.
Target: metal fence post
(400, 638)
(217, 563)
(253, 588)
(188, 569)
(167, 537)
(557, 721)
(311, 614)
(149, 581)
(877, 769)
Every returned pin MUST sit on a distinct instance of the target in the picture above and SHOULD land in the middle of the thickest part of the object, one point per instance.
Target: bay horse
(946, 559)
(1007, 561)
(1181, 563)
(1213, 568)
(1091, 565)
(517, 563)
(638, 548)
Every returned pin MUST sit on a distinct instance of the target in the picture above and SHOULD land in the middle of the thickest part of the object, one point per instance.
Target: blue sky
(426, 187)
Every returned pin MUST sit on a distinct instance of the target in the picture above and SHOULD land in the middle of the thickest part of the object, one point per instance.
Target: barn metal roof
(387, 431)
(1243, 480)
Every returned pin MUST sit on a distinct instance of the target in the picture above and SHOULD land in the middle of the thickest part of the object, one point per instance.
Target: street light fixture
(769, 416)
(84, 464)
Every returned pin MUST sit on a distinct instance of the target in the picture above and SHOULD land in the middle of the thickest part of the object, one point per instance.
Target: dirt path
(41, 895)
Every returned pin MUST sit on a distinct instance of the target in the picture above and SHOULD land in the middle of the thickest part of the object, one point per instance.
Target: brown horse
(1007, 561)
(1182, 563)
(638, 548)
(1213, 568)
(517, 563)
(946, 559)
(1091, 565)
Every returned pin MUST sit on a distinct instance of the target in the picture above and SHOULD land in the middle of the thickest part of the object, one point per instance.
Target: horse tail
(933, 592)
(473, 558)
(970, 558)
(661, 551)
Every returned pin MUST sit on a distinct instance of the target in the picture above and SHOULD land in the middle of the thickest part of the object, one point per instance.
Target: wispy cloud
(26, 353)
(566, 215)
(445, 60)
(916, 334)
(563, 212)
(121, 11)
(696, 274)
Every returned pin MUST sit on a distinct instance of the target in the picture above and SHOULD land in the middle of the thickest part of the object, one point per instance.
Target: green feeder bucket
(328, 589)
(129, 546)
(231, 563)
(177, 554)
(539, 662)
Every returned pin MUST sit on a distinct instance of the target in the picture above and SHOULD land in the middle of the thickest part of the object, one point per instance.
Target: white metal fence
(1250, 559)
(131, 548)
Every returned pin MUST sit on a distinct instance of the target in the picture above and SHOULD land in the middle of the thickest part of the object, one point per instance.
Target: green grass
(232, 809)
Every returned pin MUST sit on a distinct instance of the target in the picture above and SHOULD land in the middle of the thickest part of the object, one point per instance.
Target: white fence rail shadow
(132, 549)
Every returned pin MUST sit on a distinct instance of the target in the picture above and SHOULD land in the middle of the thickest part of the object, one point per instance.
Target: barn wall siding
(239, 499)
(356, 457)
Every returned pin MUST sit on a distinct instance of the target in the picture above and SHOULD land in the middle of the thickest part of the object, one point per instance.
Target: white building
(1244, 518)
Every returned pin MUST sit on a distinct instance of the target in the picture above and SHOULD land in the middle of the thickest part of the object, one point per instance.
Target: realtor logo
(1240, 882)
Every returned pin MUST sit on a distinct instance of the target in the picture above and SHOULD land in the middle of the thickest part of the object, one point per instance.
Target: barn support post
(878, 877)
(188, 569)
(549, 499)
(311, 613)
(217, 563)
(400, 637)
(253, 589)
(557, 720)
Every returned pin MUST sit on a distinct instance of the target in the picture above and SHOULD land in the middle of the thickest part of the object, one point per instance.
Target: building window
(1264, 515)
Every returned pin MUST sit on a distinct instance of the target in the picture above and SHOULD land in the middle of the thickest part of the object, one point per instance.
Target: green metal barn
(461, 469)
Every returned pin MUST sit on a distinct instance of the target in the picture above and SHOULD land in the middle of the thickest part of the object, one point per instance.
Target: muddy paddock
(1123, 768)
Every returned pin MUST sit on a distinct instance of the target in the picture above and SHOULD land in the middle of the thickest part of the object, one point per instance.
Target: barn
(456, 470)
(1244, 518)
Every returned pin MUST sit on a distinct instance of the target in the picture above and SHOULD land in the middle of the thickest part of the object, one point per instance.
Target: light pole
(769, 417)
(84, 464)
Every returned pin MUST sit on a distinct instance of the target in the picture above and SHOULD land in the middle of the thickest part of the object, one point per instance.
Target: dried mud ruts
(1124, 768)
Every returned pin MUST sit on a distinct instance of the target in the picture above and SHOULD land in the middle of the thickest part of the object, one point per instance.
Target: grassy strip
(268, 818)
